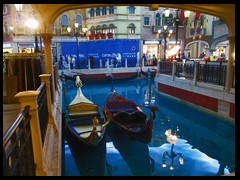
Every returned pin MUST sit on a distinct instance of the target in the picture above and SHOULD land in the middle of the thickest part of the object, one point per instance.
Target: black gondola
(128, 117)
(85, 133)
(153, 72)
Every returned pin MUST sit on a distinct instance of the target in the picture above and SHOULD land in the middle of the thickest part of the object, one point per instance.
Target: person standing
(91, 62)
(70, 61)
(144, 59)
(61, 62)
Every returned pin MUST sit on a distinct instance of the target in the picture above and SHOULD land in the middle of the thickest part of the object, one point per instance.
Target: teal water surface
(204, 141)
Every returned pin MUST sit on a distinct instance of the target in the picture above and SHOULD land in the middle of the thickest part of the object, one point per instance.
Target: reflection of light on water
(149, 98)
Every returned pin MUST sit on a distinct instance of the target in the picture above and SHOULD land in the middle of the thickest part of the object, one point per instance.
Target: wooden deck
(10, 112)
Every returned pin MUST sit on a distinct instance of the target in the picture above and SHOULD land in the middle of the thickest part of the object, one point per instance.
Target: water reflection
(206, 142)
(134, 153)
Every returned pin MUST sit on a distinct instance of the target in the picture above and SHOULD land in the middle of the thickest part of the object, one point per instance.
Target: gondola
(153, 72)
(128, 117)
(85, 127)
(101, 79)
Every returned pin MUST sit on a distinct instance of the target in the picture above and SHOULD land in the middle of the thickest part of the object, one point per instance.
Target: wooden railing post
(30, 98)
(174, 65)
(46, 78)
(195, 77)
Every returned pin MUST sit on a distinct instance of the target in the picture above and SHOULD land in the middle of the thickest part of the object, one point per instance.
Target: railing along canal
(208, 72)
(18, 157)
(42, 110)
(24, 140)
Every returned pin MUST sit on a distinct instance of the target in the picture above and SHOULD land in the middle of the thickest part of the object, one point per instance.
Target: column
(231, 60)
(30, 98)
(47, 40)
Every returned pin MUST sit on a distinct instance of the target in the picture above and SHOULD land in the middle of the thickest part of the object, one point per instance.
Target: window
(98, 29)
(131, 28)
(157, 19)
(64, 23)
(131, 10)
(92, 30)
(146, 21)
(111, 10)
(104, 29)
(112, 28)
(5, 27)
(92, 12)
(5, 9)
(170, 19)
(98, 11)
(104, 11)
(79, 19)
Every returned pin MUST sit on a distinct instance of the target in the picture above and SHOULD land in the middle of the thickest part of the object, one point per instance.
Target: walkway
(52, 150)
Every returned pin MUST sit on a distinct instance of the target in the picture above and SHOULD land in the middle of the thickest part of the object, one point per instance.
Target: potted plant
(91, 37)
(97, 36)
(103, 36)
(110, 35)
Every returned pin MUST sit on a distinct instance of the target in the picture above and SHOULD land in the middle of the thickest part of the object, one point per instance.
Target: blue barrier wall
(103, 49)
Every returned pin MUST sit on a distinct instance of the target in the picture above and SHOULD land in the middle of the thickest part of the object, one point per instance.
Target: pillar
(195, 78)
(47, 40)
(174, 64)
(30, 98)
(231, 60)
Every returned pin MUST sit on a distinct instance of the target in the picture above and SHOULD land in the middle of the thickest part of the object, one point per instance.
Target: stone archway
(200, 49)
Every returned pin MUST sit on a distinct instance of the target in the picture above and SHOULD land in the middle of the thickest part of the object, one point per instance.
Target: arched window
(131, 28)
(98, 11)
(157, 19)
(167, 20)
(91, 12)
(104, 29)
(131, 10)
(104, 11)
(64, 23)
(112, 28)
(5, 9)
(78, 19)
(98, 29)
(92, 30)
(170, 19)
(5, 27)
(111, 10)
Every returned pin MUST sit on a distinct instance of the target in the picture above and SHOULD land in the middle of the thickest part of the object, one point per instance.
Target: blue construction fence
(114, 50)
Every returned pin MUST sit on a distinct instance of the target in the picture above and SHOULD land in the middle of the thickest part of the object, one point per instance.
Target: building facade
(199, 33)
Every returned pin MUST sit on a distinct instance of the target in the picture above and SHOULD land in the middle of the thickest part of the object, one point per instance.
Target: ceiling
(48, 13)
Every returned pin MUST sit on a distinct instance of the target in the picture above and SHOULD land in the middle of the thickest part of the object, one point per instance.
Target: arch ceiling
(48, 13)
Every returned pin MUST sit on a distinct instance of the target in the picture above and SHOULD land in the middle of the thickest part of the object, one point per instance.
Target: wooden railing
(29, 132)
(208, 72)
(18, 157)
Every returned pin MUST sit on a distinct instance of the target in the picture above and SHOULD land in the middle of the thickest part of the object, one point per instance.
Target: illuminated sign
(151, 42)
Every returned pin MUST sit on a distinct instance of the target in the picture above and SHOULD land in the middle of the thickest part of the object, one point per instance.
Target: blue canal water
(204, 141)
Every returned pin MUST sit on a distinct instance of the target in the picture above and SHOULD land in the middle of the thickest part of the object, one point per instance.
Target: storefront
(7, 48)
(151, 47)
